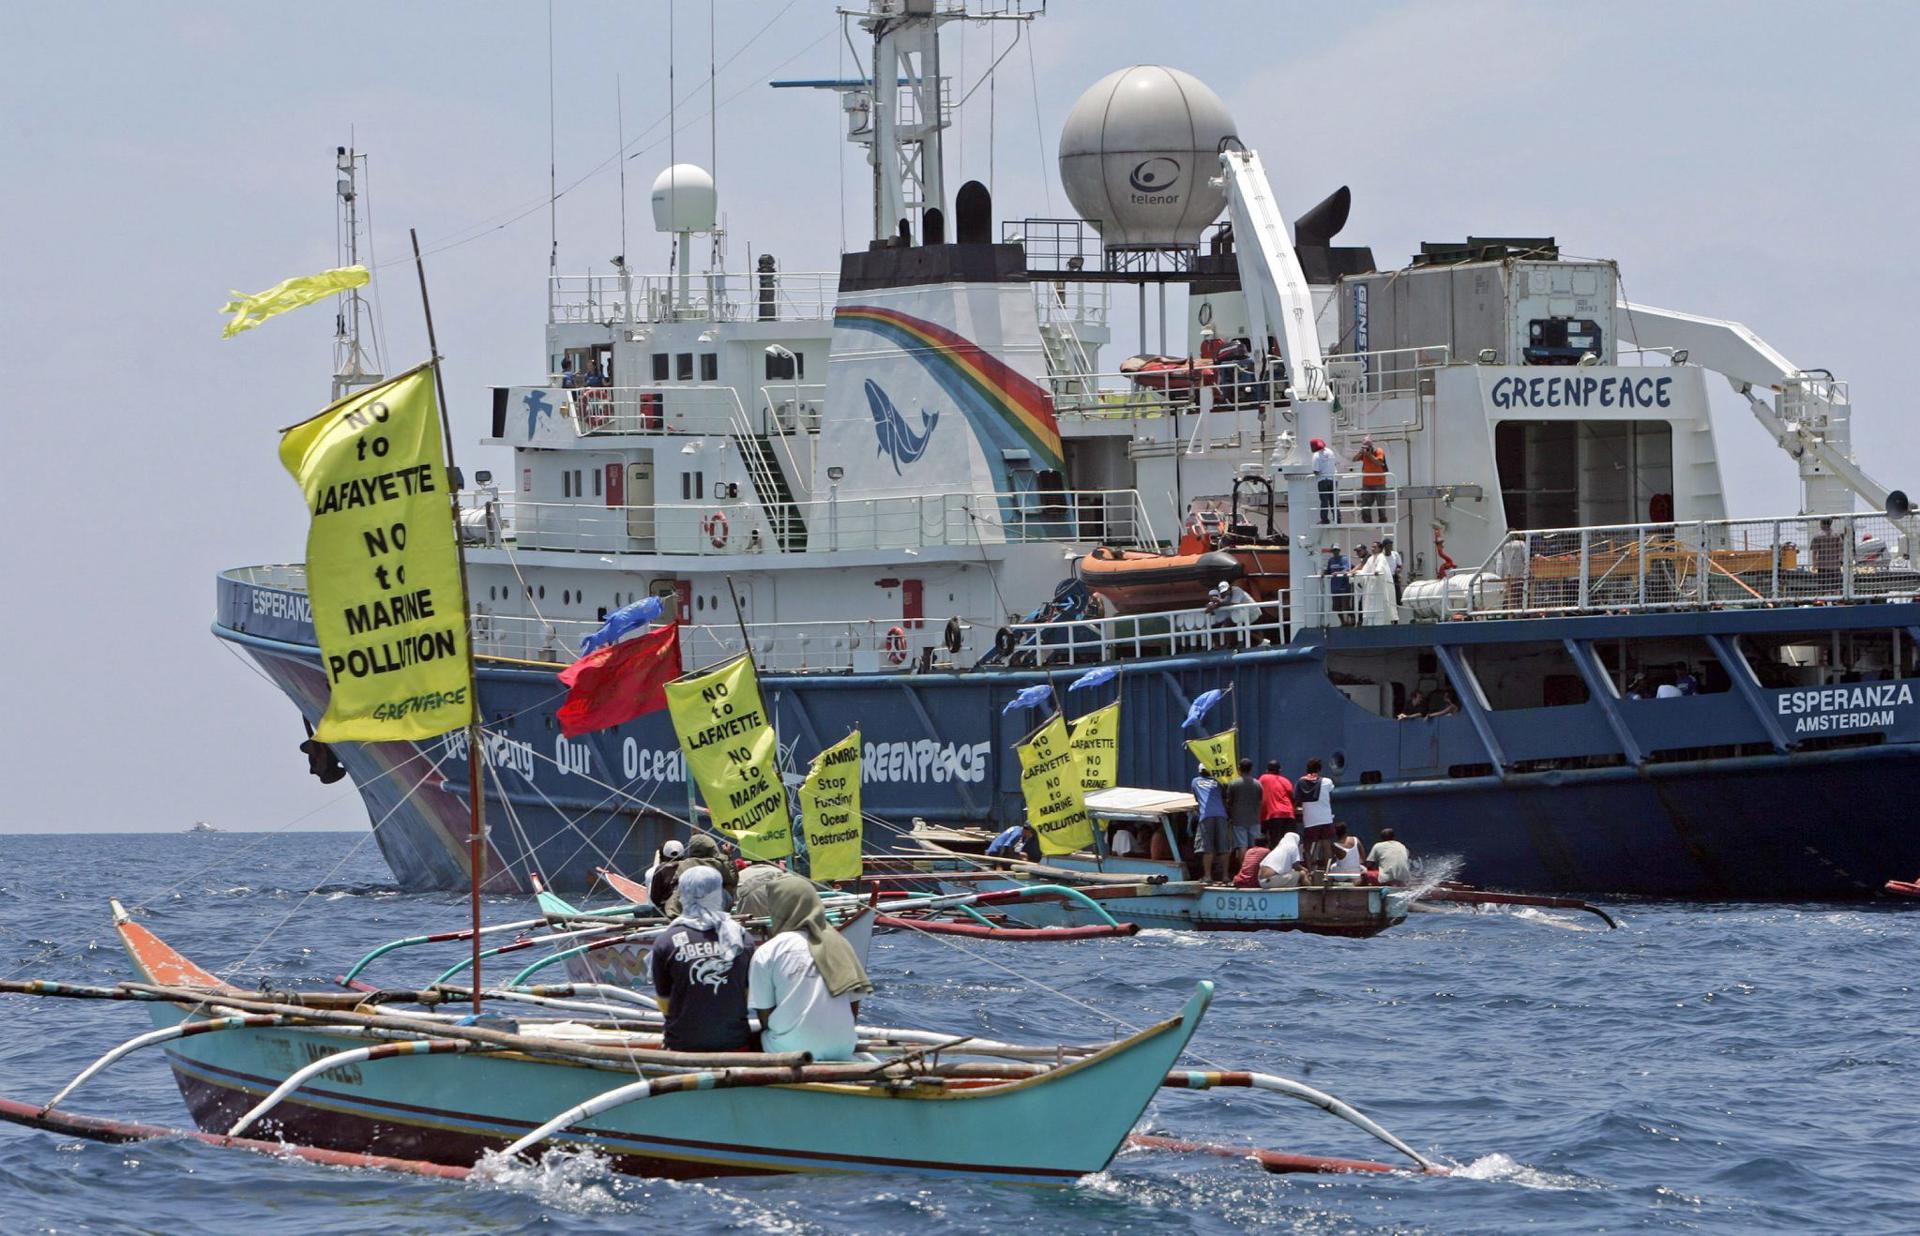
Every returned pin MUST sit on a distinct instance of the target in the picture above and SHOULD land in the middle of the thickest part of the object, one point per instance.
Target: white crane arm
(1279, 302)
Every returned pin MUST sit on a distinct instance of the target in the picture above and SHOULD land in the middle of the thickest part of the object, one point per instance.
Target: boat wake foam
(578, 1182)
(1505, 1169)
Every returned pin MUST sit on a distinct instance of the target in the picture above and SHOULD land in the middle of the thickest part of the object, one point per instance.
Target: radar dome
(684, 200)
(1138, 156)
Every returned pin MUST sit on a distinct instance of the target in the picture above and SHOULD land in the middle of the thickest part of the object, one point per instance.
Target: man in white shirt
(1313, 795)
(1324, 468)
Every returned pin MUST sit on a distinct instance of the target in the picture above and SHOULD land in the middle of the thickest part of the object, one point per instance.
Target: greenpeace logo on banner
(926, 760)
(292, 606)
(1581, 391)
(1829, 709)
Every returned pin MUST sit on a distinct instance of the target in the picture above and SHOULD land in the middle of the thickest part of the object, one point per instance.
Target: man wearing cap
(1373, 479)
(1232, 607)
(1324, 467)
(660, 876)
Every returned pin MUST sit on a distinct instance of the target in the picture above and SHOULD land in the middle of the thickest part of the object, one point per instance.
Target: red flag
(613, 685)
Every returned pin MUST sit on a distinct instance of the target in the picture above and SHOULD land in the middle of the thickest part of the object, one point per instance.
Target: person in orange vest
(1373, 479)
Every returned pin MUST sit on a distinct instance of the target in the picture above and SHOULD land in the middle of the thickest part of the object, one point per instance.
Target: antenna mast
(356, 356)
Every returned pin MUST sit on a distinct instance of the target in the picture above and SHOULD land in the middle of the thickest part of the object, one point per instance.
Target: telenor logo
(1155, 175)
(897, 440)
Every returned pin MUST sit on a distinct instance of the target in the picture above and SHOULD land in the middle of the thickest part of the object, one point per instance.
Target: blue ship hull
(1721, 795)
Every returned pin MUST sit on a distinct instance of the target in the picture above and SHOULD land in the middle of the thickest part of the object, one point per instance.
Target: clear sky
(1746, 160)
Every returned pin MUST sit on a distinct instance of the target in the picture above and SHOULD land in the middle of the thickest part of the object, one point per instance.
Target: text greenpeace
(925, 760)
(1577, 390)
(1829, 709)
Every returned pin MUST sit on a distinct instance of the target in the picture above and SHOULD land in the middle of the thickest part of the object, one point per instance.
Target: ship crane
(1808, 415)
(1280, 306)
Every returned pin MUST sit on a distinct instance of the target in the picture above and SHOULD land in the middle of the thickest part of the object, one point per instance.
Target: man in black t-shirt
(700, 970)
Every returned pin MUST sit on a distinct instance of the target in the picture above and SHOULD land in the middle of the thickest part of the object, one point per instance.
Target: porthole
(543, 592)
(699, 602)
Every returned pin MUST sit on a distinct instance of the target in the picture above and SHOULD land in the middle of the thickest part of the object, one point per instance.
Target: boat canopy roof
(1124, 803)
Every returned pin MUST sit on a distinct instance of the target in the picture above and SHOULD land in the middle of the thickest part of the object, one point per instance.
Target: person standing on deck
(1373, 479)
(1339, 585)
(806, 981)
(1314, 794)
(700, 964)
(1244, 797)
(1325, 466)
(1212, 836)
(1276, 803)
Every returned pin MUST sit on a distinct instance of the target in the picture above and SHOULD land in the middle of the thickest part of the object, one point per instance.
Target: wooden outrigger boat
(389, 1079)
(1158, 892)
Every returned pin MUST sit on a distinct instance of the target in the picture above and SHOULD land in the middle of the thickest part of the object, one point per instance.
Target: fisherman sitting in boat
(662, 870)
(702, 851)
(1280, 863)
(806, 981)
(700, 965)
(1346, 854)
(1390, 855)
(1249, 874)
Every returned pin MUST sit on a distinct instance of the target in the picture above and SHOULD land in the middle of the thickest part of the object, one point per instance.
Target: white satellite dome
(684, 200)
(1139, 154)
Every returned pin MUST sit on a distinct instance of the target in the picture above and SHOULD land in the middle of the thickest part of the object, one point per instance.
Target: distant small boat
(1904, 888)
(201, 826)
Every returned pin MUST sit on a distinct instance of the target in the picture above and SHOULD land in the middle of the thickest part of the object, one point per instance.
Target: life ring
(715, 526)
(896, 645)
(954, 634)
(1004, 640)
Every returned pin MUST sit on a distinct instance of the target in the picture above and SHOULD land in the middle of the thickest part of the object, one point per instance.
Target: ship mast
(356, 351)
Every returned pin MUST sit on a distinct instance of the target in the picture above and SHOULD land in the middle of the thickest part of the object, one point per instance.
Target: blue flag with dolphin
(621, 621)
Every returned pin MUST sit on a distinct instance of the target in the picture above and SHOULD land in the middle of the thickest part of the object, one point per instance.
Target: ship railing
(869, 644)
(1384, 391)
(731, 526)
(663, 408)
(1073, 303)
(1700, 564)
(759, 296)
(289, 577)
(1131, 636)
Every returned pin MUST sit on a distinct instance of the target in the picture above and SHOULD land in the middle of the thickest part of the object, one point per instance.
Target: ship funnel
(1320, 225)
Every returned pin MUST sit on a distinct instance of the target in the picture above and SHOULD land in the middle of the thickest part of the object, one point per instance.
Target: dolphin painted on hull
(896, 440)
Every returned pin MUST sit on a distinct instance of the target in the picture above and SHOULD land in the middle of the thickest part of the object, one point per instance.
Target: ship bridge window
(1584, 474)
(786, 365)
(1525, 675)
(709, 367)
(1639, 668)
(1827, 658)
(683, 366)
(662, 367)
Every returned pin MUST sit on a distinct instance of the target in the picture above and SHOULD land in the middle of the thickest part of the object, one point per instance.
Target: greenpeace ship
(915, 486)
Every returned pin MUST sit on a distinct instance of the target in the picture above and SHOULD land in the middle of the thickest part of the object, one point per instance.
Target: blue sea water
(1727, 1068)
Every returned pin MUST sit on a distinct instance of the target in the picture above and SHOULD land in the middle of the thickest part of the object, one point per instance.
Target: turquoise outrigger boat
(391, 1079)
(1154, 892)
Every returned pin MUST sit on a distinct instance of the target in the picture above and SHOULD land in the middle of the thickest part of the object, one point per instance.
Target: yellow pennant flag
(1217, 753)
(1096, 744)
(1050, 780)
(249, 311)
(830, 812)
(383, 573)
(733, 756)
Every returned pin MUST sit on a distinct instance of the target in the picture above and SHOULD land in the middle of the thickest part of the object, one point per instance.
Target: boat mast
(356, 353)
(476, 800)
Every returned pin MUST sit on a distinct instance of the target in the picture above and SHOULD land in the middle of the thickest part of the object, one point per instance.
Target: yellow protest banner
(1050, 780)
(733, 756)
(249, 310)
(1096, 744)
(830, 812)
(1217, 753)
(383, 573)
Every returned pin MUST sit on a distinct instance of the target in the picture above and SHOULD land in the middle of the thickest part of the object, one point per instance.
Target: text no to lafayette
(361, 491)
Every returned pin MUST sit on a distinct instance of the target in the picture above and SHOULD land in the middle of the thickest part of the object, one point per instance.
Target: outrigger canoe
(366, 1078)
(1154, 892)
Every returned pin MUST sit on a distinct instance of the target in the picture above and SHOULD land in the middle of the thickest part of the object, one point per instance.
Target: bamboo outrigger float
(391, 1079)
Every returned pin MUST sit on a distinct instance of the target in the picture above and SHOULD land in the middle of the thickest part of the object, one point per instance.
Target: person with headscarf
(701, 964)
(702, 851)
(805, 981)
